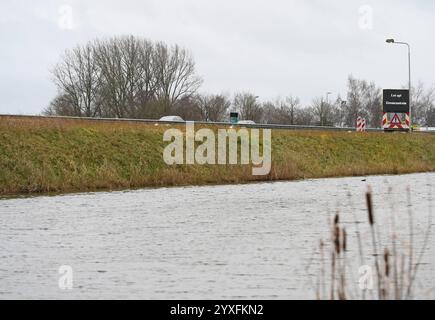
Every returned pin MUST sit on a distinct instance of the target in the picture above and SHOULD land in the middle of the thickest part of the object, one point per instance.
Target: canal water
(255, 241)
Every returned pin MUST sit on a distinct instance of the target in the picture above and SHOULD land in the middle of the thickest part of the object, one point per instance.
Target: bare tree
(291, 108)
(364, 99)
(188, 108)
(430, 118)
(61, 106)
(325, 113)
(422, 104)
(77, 78)
(270, 113)
(372, 96)
(147, 84)
(305, 116)
(122, 74)
(248, 107)
(354, 105)
(282, 111)
(174, 70)
(288, 109)
(214, 107)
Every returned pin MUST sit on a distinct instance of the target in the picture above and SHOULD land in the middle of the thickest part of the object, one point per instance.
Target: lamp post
(327, 97)
(323, 106)
(392, 41)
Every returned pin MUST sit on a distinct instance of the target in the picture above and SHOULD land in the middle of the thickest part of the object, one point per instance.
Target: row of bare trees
(363, 99)
(128, 77)
(123, 77)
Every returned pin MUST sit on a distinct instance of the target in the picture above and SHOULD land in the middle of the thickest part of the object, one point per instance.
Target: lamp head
(390, 40)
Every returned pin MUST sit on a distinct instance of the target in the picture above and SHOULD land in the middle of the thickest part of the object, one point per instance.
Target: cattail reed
(387, 262)
(372, 229)
(344, 240)
(358, 235)
(395, 271)
(337, 240)
(411, 241)
(343, 268)
(386, 276)
(321, 285)
(333, 262)
(370, 207)
(336, 234)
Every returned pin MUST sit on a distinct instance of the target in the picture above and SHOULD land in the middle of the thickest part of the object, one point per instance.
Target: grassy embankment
(54, 155)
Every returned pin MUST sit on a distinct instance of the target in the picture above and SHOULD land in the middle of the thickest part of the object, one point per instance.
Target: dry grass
(57, 155)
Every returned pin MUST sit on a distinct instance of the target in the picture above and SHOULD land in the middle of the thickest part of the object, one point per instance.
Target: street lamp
(327, 97)
(323, 105)
(392, 41)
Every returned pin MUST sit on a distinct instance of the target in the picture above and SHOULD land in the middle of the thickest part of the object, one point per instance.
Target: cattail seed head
(387, 262)
(336, 219)
(370, 207)
(337, 239)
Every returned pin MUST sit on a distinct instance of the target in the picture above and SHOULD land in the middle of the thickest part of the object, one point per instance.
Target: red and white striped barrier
(361, 125)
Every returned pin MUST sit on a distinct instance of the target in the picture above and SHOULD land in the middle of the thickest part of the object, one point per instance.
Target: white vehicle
(172, 119)
(246, 122)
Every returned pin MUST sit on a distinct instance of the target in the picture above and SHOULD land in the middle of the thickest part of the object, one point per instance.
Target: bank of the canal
(58, 155)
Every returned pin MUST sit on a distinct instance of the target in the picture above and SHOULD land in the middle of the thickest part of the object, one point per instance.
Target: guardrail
(154, 121)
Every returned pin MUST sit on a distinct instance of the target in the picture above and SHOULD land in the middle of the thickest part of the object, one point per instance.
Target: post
(410, 87)
(324, 106)
(409, 75)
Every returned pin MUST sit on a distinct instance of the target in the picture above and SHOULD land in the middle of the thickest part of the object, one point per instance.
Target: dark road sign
(396, 101)
(234, 117)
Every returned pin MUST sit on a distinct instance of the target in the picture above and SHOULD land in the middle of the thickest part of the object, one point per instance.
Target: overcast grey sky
(271, 48)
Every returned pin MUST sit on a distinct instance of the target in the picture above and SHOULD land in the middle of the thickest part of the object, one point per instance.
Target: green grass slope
(57, 155)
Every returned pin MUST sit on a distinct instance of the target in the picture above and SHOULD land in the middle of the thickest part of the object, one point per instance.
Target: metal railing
(227, 124)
